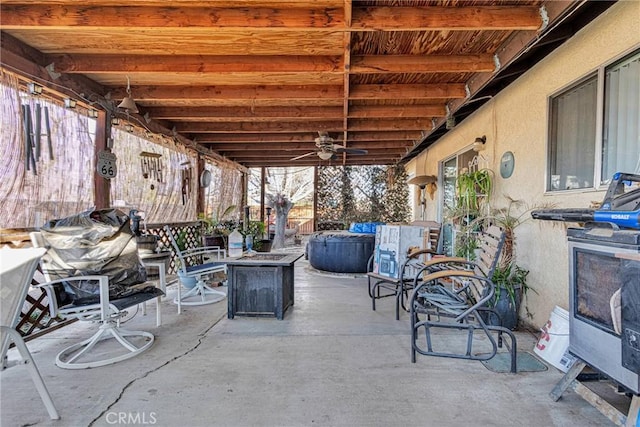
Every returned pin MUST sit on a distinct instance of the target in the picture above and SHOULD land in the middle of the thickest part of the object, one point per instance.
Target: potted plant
(472, 188)
(181, 241)
(511, 289)
(256, 229)
(217, 227)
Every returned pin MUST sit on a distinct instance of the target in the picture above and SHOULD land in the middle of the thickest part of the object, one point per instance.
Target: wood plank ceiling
(255, 80)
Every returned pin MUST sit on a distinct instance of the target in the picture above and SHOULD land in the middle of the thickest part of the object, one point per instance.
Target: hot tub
(340, 251)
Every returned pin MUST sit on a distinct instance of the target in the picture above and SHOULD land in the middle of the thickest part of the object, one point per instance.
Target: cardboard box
(392, 245)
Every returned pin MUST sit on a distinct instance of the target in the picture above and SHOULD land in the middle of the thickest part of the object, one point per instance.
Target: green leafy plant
(512, 279)
(218, 223)
(472, 188)
(256, 229)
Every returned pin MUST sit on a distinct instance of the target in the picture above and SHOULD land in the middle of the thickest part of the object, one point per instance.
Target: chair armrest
(449, 263)
(432, 281)
(49, 287)
(204, 250)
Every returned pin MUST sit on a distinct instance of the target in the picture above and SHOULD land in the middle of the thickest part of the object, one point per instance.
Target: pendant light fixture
(128, 103)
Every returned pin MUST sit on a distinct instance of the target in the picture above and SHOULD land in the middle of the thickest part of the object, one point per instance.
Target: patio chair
(490, 244)
(198, 263)
(105, 310)
(401, 285)
(381, 286)
(455, 300)
(17, 267)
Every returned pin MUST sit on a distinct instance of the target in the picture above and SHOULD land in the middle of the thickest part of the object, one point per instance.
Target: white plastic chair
(17, 267)
(107, 312)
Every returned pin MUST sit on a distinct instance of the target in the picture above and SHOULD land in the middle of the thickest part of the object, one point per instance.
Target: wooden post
(315, 198)
(102, 186)
(263, 180)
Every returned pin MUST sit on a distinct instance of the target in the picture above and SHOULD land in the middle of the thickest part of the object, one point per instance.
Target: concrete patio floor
(331, 362)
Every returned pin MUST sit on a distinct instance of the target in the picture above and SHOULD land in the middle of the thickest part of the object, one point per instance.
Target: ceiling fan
(327, 148)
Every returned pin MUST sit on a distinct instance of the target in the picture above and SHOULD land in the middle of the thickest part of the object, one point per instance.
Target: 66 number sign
(106, 165)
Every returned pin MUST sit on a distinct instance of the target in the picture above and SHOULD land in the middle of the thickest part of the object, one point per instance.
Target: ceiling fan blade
(351, 150)
(304, 155)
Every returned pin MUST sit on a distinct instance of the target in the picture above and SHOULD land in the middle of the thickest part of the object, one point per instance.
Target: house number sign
(106, 165)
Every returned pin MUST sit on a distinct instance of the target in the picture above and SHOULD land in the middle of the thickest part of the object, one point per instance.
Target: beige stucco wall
(517, 120)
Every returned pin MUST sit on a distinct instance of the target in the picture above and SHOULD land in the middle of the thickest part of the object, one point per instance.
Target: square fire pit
(261, 285)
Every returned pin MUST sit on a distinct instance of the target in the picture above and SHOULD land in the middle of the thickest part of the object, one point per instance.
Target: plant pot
(263, 246)
(214, 240)
(187, 282)
(505, 308)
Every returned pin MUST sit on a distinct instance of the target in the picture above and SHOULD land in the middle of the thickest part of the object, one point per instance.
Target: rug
(526, 362)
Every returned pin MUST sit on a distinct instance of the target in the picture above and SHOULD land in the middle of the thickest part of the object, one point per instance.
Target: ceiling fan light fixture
(325, 155)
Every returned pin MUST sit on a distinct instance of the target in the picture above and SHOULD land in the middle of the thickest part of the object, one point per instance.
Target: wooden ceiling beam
(79, 63)
(390, 111)
(302, 126)
(353, 136)
(292, 112)
(258, 127)
(388, 124)
(182, 93)
(300, 146)
(69, 16)
(384, 64)
(408, 91)
(354, 160)
(446, 18)
(243, 113)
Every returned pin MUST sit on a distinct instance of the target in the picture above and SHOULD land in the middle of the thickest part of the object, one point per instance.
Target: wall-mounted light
(115, 121)
(93, 113)
(34, 88)
(70, 103)
(128, 127)
(478, 144)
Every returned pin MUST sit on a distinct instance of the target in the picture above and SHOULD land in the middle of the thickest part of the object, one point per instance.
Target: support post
(102, 186)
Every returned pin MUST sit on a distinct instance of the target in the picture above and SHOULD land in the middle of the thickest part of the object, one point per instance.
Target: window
(580, 155)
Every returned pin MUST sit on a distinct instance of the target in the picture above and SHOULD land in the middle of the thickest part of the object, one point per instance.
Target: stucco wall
(517, 120)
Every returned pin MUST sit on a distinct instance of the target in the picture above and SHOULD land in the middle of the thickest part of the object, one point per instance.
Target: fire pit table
(260, 285)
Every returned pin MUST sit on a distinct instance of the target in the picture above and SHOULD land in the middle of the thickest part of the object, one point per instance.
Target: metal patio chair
(453, 293)
(455, 300)
(17, 267)
(381, 286)
(198, 263)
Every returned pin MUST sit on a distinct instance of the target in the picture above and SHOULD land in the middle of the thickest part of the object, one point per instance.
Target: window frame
(599, 184)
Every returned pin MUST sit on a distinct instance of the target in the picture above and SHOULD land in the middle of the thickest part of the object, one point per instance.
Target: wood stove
(604, 301)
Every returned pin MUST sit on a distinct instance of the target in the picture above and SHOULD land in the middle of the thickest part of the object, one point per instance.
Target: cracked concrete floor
(331, 362)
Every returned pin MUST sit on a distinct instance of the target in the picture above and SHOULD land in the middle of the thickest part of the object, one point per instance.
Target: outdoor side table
(261, 285)
(159, 261)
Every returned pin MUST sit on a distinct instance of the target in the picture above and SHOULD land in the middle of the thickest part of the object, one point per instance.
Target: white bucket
(553, 344)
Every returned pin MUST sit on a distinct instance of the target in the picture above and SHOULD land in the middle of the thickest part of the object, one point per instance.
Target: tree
(282, 206)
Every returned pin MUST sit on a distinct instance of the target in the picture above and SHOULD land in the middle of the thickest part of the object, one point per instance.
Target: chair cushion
(204, 267)
(133, 297)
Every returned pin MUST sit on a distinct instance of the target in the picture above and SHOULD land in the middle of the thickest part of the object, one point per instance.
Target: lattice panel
(193, 237)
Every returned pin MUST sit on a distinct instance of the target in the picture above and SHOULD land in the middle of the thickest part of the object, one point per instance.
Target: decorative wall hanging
(32, 129)
(151, 167)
